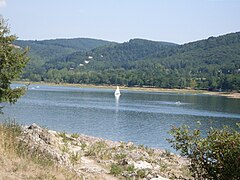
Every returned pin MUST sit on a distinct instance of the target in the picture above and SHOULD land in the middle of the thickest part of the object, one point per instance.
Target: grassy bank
(18, 161)
(235, 95)
(33, 152)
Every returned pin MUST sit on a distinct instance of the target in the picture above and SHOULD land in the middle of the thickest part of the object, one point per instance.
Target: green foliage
(163, 167)
(120, 156)
(42, 52)
(75, 135)
(75, 158)
(64, 137)
(210, 64)
(83, 146)
(167, 153)
(97, 149)
(216, 156)
(130, 169)
(12, 62)
(116, 169)
(141, 173)
(51, 49)
(64, 148)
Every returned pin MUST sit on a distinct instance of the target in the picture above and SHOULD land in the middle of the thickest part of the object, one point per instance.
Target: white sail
(117, 92)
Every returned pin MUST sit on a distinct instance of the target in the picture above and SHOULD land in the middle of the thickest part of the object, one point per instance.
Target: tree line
(212, 64)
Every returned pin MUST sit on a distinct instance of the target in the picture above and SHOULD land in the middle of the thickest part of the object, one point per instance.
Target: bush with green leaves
(216, 156)
(116, 169)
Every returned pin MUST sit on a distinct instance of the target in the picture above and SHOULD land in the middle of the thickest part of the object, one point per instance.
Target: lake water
(140, 117)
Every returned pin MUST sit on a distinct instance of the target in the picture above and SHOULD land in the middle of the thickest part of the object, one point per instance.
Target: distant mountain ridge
(115, 54)
(213, 50)
(50, 49)
(213, 63)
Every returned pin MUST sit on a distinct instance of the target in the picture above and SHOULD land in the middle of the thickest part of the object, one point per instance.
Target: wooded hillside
(213, 63)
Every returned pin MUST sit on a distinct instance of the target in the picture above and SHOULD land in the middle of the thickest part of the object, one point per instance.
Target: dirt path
(92, 170)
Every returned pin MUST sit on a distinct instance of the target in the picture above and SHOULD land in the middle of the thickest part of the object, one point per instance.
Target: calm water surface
(140, 117)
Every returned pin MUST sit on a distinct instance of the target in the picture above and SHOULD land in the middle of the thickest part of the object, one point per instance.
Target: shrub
(141, 173)
(75, 135)
(216, 156)
(130, 168)
(75, 158)
(120, 156)
(116, 169)
(83, 146)
(97, 149)
(64, 137)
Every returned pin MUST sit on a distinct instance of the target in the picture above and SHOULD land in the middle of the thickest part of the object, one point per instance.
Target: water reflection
(117, 97)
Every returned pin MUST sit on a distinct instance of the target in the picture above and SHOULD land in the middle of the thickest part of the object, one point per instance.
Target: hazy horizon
(116, 41)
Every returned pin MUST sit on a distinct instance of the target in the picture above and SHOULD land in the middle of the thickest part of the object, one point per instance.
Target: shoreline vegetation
(58, 155)
(234, 95)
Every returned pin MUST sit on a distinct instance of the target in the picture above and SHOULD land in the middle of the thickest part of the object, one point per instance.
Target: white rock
(142, 165)
(160, 178)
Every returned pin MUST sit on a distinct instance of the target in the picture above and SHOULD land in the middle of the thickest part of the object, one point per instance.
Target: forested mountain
(47, 50)
(44, 51)
(114, 56)
(213, 63)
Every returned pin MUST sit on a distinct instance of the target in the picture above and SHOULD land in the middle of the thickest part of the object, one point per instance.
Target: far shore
(234, 95)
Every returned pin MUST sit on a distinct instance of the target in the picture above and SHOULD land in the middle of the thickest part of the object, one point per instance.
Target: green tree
(193, 83)
(12, 62)
(216, 156)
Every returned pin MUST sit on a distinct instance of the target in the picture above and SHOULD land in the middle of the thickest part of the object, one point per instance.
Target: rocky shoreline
(96, 158)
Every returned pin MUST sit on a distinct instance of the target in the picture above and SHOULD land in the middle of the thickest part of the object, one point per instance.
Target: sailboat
(117, 92)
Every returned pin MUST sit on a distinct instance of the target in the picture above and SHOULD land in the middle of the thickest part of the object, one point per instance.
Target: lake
(140, 117)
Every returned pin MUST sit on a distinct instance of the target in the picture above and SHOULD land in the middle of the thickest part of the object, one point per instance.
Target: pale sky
(178, 21)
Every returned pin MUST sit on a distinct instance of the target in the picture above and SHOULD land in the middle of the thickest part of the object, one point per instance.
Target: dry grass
(19, 162)
(93, 158)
